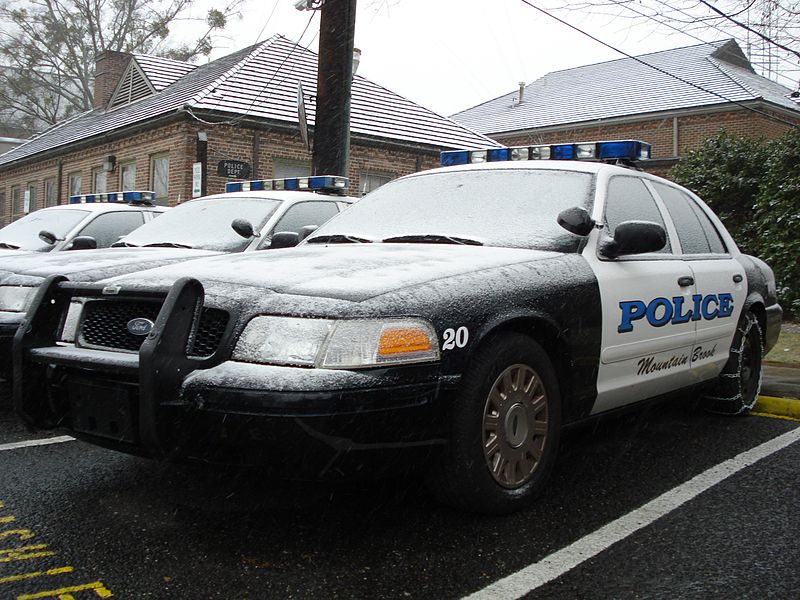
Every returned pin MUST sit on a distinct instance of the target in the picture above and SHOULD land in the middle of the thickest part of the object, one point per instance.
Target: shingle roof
(710, 74)
(162, 72)
(260, 81)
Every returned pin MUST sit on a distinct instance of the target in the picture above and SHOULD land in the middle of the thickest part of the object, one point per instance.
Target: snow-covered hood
(90, 265)
(352, 272)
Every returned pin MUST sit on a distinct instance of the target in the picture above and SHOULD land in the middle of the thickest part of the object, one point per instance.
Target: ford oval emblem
(140, 326)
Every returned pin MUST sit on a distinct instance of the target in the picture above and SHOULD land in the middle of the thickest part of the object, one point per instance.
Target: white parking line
(43, 442)
(549, 568)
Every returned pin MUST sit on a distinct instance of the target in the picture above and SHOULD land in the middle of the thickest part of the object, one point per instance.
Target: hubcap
(515, 426)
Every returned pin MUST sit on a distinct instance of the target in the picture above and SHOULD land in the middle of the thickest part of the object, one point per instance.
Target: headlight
(345, 344)
(15, 298)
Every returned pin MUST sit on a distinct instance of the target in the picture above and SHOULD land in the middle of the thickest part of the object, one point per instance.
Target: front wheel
(505, 426)
(736, 390)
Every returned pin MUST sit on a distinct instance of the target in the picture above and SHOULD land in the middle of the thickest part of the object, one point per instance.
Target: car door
(108, 227)
(719, 280)
(303, 214)
(647, 338)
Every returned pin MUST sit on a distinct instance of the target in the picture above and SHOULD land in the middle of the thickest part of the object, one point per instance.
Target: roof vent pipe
(521, 91)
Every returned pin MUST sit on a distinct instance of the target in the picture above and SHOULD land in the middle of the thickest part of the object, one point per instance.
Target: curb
(786, 408)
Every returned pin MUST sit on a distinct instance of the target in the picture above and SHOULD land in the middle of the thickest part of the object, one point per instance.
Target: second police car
(244, 218)
(460, 317)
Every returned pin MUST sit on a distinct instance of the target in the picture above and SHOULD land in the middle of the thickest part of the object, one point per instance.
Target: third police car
(460, 317)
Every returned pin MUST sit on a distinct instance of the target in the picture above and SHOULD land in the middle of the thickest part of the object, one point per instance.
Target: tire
(505, 426)
(736, 390)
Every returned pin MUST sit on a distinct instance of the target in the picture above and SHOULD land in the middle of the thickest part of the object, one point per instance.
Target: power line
(659, 69)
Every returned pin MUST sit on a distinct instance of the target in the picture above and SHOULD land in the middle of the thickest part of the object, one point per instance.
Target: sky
(449, 55)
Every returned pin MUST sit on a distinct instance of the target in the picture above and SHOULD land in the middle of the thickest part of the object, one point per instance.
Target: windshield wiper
(7, 246)
(122, 244)
(338, 239)
(431, 238)
(166, 245)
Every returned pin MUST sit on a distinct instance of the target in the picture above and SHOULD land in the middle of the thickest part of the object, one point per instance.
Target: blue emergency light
(129, 196)
(315, 183)
(596, 151)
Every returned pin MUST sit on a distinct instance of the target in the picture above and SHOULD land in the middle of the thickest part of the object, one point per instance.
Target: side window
(629, 199)
(16, 202)
(305, 213)
(695, 231)
(75, 183)
(50, 192)
(108, 227)
(127, 176)
(159, 177)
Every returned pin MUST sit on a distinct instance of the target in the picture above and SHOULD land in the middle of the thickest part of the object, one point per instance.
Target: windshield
(504, 207)
(23, 234)
(204, 224)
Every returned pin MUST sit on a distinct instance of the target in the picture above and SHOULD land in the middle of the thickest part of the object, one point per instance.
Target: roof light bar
(605, 150)
(316, 183)
(129, 196)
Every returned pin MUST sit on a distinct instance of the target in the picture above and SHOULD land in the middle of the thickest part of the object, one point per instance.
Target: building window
(159, 177)
(16, 201)
(30, 198)
(127, 176)
(290, 168)
(50, 192)
(2, 207)
(75, 184)
(99, 180)
(372, 181)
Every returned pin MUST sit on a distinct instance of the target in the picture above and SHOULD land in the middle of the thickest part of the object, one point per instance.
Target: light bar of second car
(315, 183)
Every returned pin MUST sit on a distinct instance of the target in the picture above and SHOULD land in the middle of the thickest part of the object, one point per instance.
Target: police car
(249, 216)
(455, 319)
(78, 225)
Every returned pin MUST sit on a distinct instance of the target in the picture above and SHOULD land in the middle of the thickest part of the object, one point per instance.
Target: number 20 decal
(455, 338)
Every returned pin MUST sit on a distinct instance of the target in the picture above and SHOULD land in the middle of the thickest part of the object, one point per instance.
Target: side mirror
(284, 239)
(307, 230)
(83, 242)
(634, 237)
(47, 237)
(244, 228)
(576, 220)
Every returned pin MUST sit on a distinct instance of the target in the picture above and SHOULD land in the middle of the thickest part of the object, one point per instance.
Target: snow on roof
(258, 82)
(705, 75)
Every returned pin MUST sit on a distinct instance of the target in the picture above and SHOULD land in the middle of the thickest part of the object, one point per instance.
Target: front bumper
(299, 422)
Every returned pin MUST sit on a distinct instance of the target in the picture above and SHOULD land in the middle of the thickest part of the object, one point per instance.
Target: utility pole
(334, 80)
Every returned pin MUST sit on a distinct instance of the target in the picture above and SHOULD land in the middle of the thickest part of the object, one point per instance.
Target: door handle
(685, 281)
(737, 278)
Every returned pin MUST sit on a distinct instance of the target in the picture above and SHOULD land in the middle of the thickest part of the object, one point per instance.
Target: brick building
(673, 99)
(155, 118)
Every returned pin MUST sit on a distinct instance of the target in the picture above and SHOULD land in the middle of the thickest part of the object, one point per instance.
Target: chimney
(108, 69)
(521, 91)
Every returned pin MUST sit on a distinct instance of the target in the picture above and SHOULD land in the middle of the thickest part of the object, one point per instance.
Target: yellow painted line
(99, 589)
(8, 519)
(25, 553)
(778, 407)
(32, 575)
(22, 534)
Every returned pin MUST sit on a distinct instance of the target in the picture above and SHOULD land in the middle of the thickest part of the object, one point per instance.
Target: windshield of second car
(24, 233)
(503, 207)
(204, 224)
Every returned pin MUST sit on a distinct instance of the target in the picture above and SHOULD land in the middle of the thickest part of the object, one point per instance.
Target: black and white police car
(249, 216)
(87, 221)
(460, 317)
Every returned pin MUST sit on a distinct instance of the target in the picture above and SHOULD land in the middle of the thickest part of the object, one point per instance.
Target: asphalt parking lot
(81, 522)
